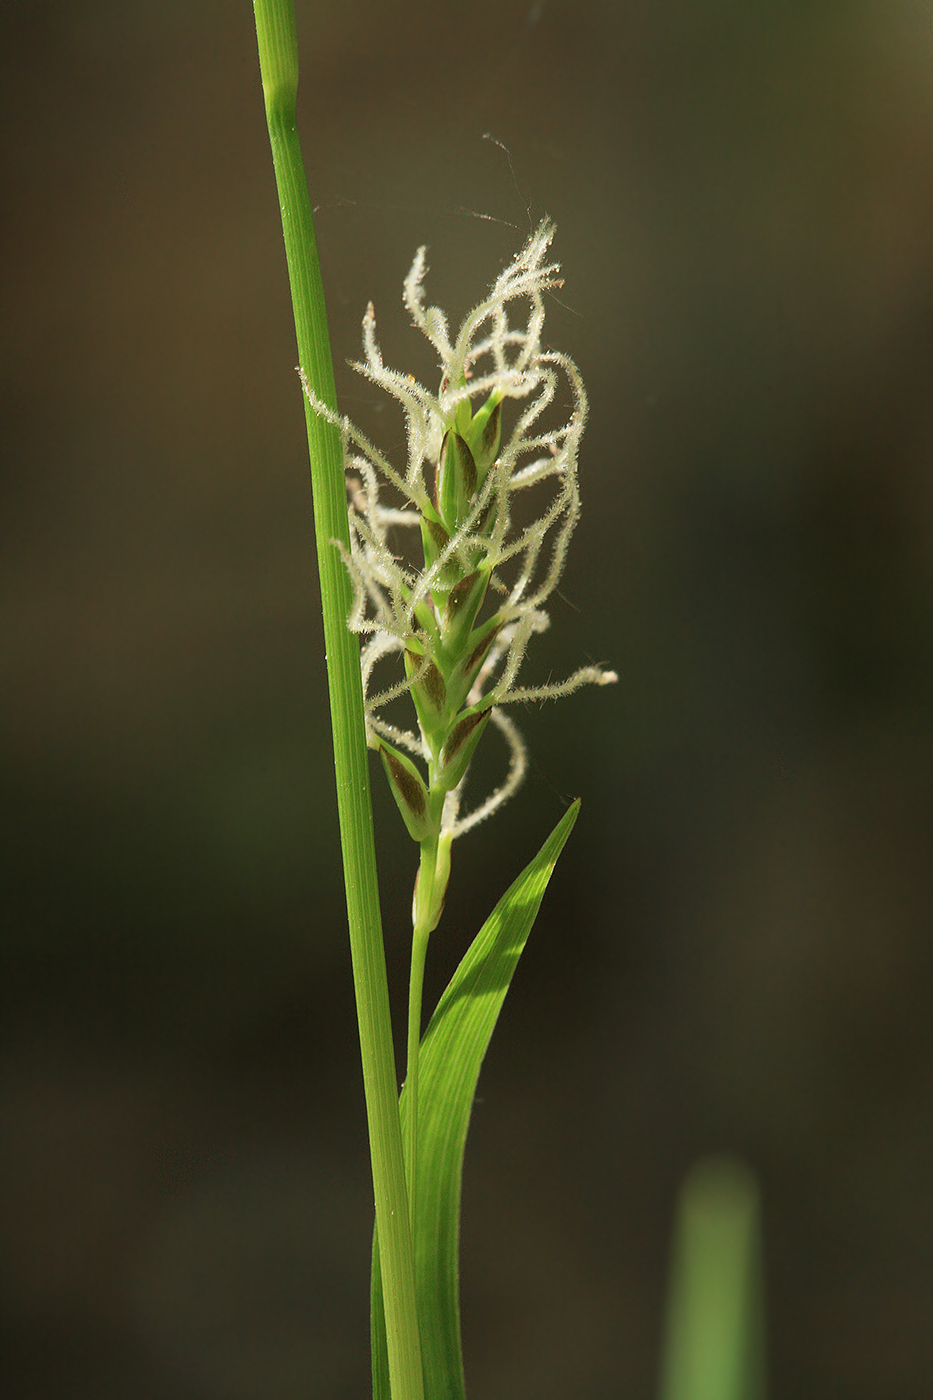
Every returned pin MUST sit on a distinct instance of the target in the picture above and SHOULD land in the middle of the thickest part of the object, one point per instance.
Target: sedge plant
(427, 565)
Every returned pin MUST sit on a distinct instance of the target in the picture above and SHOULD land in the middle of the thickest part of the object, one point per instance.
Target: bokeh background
(735, 954)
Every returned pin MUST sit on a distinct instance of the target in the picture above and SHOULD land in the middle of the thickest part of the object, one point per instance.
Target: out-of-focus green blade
(714, 1344)
(451, 1055)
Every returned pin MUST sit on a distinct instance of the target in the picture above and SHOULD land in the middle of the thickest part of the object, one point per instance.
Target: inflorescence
(462, 618)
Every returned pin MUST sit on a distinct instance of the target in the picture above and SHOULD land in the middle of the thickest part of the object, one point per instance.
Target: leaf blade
(452, 1051)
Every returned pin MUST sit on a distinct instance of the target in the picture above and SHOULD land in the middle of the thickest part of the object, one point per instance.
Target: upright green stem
(433, 874)
(278, 57)
(419, 948)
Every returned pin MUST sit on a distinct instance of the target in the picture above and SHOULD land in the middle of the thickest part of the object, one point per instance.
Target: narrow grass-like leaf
(714, 1344)
(278, 60)
(452, 1052)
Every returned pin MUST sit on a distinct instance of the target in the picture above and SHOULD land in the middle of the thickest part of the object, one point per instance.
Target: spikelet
(460, 619)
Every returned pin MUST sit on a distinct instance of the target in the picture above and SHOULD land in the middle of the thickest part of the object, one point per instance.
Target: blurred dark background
(735, 954)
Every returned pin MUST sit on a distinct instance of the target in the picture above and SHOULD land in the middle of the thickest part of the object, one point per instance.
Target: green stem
(419, 948)
(431, 886)
(278, 58)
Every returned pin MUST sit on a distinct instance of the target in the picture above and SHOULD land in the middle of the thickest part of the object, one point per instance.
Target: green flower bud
(409, 790)
(434, 539)
(484, 433)
(456, 481)
(460, 745)
(427, 910)
(463, 603)
(461, 678)
(429, 693)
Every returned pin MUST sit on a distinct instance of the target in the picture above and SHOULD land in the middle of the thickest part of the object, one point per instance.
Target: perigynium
(461, 616)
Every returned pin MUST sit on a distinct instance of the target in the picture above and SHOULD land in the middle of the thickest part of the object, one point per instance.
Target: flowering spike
(478, 441)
